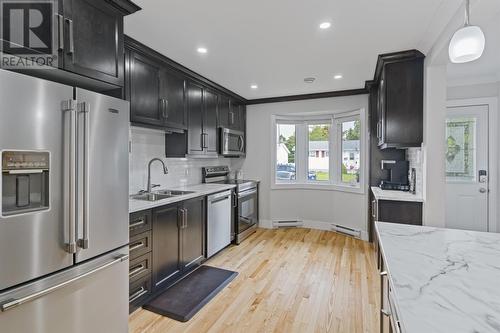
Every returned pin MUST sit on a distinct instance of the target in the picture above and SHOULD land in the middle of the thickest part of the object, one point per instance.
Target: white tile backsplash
(414, 156)
(147, 144)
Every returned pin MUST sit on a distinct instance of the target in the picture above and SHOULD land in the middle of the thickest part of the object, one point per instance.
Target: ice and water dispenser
(25, 182)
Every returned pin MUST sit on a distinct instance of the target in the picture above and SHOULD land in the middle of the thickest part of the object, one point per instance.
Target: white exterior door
(467, 171)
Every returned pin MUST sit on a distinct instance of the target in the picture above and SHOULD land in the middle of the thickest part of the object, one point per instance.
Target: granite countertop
(443, 280)
(198, 190)
(395, 195)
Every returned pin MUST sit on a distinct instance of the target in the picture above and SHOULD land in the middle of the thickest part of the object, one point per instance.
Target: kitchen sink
(151, 196)
(159, 195)
(173, 193)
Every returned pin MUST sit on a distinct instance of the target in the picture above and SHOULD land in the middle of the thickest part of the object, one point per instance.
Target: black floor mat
(185, 298)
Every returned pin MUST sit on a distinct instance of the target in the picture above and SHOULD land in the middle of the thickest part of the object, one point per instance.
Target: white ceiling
(277, 43)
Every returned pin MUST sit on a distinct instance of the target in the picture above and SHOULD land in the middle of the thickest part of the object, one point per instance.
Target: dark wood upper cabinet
(166, 245)
(210, 100)
(90, 44)
(193, 233)
(94, 49)
(196, 141)
(172, 98)
(400, 100)
(144, 89)
(223, 111)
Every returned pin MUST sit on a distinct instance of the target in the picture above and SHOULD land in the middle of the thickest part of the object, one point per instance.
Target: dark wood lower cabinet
(166, 245)
(176, 241)
(193, 234)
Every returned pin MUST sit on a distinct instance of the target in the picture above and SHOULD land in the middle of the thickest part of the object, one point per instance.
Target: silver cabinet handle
(185, 218)
(136, 224)
(384, 273)
(136, 270)
(84, 108)
(231, 114)
(137, 294)
(136, 246)
(166, 108)
(12, 303)
(60, 32)
(71, 49)
(385, 313)
(373, 208)
(69, 106)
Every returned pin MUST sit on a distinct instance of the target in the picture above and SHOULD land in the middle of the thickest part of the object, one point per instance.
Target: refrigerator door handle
(84, 108)
(69, 106)
(12, 303)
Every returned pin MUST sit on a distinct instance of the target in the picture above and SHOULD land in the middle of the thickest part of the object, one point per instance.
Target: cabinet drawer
(140, 244)
(139, 222)
(138, 292)
(140, 267)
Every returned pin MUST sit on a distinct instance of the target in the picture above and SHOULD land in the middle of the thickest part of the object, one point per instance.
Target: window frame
(302, 122)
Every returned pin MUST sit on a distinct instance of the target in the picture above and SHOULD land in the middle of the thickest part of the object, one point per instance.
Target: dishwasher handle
(219, 197)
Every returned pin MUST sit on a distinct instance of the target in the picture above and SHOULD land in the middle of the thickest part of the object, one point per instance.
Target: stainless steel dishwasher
(218, 222)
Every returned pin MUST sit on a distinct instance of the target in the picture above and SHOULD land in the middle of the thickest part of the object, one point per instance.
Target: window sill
(320, 187)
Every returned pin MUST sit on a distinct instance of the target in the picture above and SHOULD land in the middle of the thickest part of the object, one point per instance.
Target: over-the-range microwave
(232, 142)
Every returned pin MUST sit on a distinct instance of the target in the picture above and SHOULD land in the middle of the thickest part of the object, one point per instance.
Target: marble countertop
(443, 280)
(198, 190)
(395, 195)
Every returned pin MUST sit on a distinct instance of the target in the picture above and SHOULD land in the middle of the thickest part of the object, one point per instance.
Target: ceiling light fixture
(337, 76)
(325, 25)
(254, 86)
(309, 79)
(467, 44)
(202, 50)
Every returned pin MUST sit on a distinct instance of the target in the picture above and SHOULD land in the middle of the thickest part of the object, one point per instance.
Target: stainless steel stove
(246, 200)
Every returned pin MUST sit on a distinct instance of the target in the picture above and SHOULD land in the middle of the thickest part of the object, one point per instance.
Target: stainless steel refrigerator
(64, 208)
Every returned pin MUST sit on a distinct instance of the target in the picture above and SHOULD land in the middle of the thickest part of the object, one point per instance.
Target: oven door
(232, 142)
(248, 210)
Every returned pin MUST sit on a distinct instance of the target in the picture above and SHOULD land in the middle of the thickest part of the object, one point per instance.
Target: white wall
(433, 147)
(317, 207)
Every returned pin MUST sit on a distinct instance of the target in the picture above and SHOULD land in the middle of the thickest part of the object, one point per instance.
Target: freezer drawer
(91, 297)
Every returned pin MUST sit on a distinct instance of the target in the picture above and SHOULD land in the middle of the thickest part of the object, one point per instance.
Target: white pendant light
(467, 44)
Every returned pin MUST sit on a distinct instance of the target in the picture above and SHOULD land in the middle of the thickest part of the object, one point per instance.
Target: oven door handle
(246, 219)
(246, 193)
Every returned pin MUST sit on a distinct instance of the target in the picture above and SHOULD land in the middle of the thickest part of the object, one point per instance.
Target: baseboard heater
(346, 230)
(287, 223)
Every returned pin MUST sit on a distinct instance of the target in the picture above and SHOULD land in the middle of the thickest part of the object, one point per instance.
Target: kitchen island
(439, 280)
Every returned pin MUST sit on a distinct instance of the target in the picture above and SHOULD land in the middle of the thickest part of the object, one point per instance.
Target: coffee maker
(398, 175)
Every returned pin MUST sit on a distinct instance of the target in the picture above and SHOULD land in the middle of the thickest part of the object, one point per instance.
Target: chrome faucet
(165, 171)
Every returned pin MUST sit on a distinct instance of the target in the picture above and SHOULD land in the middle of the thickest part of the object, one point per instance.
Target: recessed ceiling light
(254, 86)
(325, 25)
(337, 76)
(202, 50)
(309, 79)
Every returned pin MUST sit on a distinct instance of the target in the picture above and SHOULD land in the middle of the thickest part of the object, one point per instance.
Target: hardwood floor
(290, 280)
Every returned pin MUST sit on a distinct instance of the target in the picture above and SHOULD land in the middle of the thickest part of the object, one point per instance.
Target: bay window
(324, 150)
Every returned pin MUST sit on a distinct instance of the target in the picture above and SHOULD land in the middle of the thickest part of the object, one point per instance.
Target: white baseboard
(310, 224)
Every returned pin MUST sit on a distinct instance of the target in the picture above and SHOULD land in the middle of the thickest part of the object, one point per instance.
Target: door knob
(482, 190)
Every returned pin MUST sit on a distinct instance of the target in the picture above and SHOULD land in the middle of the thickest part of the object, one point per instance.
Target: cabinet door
(234, 115)
(166, 246)
(242, 118)
(144, 91)
(195, 117)
(193, 233)
(210, 121)
(223, 111)
(172, 93)
(91, 49)
(381, 109)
